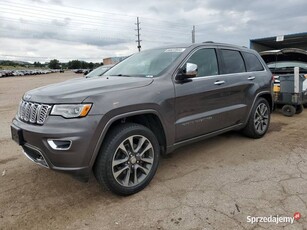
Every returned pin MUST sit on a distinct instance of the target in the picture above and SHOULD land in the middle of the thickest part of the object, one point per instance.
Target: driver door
(205, 103)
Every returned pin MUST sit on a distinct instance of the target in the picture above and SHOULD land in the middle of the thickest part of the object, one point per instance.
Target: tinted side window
(233, 62)
(252, 62)
(206, 61)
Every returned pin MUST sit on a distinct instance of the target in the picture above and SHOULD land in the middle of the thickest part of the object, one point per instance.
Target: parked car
(283, 61)
(99, 71)
(78, 70)
(148, 105)
(86, 71)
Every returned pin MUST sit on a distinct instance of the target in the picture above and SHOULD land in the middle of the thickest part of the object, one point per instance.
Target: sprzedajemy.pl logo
(273, 219)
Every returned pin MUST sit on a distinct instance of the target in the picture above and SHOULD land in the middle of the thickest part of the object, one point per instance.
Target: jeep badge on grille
(27, 97)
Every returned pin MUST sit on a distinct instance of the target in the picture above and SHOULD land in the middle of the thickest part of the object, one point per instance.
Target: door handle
(219, 82)
(251, 78)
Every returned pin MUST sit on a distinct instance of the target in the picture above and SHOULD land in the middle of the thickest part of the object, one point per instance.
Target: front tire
(259, 119)
(128, 159)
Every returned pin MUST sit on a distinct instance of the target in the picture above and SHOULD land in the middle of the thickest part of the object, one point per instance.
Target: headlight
(71, 110)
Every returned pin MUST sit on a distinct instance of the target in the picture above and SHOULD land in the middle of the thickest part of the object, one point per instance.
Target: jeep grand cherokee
(153, 102)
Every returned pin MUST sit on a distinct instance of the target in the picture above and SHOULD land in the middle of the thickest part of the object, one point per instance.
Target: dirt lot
(214, 184)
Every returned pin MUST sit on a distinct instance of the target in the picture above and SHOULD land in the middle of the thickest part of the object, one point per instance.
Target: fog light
(59, 144)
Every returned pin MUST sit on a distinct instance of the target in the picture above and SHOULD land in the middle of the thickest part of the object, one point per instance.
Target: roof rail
(208, 42)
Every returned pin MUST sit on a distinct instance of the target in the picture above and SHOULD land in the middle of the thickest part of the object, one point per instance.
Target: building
(298, 40)
(113, 60)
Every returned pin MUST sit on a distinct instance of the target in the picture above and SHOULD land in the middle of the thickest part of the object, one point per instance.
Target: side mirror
(190, 70)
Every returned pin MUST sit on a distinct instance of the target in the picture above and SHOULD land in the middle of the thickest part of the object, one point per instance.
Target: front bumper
(82, 134)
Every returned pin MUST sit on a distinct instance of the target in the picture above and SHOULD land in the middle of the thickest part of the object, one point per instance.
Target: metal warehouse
(298, 40)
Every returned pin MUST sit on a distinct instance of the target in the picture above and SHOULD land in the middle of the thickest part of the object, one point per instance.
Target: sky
(41, 30)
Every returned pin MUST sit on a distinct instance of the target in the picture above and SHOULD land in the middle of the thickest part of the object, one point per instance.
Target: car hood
(76, 90)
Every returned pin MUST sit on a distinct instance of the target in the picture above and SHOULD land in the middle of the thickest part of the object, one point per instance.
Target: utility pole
(138, 33)
(193, 34)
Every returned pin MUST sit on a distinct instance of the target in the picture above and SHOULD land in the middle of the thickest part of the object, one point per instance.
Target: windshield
(287, 64)
(149, 63)
(98, 71)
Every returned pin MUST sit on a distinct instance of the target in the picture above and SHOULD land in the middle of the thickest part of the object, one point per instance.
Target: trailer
(290, 93)
(286, 56)
(289, 68)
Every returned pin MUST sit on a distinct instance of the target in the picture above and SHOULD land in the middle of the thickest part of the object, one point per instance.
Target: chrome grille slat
(42, 115)
(33, 112)
(22, 110)
(27, 111)
(18, 113)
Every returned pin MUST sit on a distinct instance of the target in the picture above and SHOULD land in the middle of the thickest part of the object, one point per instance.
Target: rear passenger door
(257, 76)
(240, 82)
(214, 99)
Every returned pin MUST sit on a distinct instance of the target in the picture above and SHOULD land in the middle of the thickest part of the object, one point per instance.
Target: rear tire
(128, 159)
(299, 109)
(288, 110)
(259, 119)
(305, 105)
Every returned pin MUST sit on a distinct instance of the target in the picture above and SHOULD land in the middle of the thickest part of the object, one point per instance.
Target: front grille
(33, 112)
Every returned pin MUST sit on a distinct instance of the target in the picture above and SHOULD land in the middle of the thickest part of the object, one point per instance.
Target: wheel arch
(251, 129)
(267, 96)
(149, 118)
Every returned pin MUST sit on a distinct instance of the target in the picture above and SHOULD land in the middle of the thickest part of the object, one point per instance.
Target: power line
(163, 37)
(55, 13)
(166, 30)
(98, 11)
(72, 22)
(78, 21)
(173, 25)
(160, 41)
(72, 7)
(78, 28)
(90, 22)
(69, 22)
(7, 55)
(66, 31)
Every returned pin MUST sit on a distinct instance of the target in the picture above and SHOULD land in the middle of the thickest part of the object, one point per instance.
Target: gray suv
(155, 101)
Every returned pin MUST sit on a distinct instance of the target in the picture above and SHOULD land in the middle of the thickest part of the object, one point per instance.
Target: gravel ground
(214, 184)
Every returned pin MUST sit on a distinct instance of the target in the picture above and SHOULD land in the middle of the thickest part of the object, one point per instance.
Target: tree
(54, 64)
(38, 64)
(91, 65)
(10, 63)
(74, 64)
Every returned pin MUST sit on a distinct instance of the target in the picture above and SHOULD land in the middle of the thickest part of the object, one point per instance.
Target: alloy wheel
(133, 160)
(261, 118)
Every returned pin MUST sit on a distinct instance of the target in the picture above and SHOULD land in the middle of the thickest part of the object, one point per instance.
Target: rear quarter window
(232, 61)
(252, 62)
